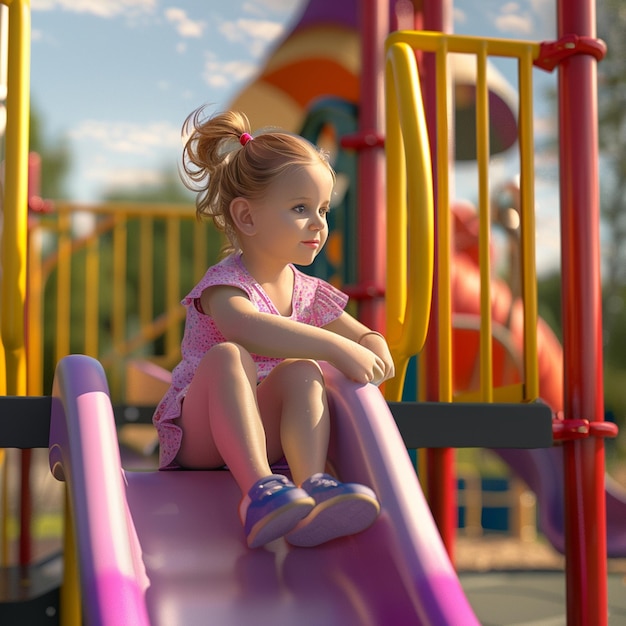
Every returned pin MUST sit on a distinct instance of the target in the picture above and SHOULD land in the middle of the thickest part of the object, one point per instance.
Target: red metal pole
(441, 476)
(585, 507)
(26, 508)
(371, 225)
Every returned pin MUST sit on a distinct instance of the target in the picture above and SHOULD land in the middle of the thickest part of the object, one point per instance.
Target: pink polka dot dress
(314, 302)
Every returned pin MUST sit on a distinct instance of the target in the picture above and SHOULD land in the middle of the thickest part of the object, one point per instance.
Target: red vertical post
(371, 224)
(441, 476)
(585, 507)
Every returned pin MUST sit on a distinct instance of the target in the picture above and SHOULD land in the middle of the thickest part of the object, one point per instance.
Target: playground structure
(410, 275)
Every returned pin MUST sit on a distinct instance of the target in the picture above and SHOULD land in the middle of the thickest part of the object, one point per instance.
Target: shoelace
(270, 487)
(324, 481)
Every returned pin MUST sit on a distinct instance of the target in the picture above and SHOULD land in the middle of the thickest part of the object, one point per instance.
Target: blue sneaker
(341, 509)
(275, 506)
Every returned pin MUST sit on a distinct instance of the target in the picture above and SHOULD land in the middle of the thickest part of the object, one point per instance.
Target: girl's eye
(324, 211)
(299, 209)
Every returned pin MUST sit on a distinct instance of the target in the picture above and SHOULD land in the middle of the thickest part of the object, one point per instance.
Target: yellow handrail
(463, 44)
(483, 158)
(444, 309)
(16, 197)
(527, 226)
(14, 206)
(91, 272)
(410, 229)
(402, 290)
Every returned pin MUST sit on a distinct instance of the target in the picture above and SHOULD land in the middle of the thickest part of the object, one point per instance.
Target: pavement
(532, 598)
(512, 582)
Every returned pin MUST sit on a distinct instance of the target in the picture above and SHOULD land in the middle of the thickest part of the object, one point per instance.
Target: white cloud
(255, 35)
(460, 17)
(185, 26)
(127, 138)
(225, 74)
(114, 178)
(259, 7)
(101, 8)
(43, 5)
(517, 24)
(545, 19)
(513, 20)
(543, 7)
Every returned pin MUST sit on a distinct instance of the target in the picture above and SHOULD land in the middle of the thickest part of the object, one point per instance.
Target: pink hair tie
(245, 138)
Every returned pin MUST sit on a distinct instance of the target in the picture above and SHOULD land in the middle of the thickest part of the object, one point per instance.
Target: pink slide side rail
(84, 452)
(398, 570)
(369, 449)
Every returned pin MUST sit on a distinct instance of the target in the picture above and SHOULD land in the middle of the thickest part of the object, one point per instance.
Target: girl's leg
(295, 390)
(221, 424)
(294, 410)
(220, 417)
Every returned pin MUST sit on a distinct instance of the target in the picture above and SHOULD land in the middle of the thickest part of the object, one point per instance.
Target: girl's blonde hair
(219, 168)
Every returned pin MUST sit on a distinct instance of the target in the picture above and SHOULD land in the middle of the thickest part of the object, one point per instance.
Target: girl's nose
(318, 222)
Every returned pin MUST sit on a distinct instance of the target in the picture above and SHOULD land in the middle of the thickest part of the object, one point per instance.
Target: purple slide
(167, 547)
(542, 471)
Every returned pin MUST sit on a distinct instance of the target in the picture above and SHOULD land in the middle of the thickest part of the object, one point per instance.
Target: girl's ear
(242, 216)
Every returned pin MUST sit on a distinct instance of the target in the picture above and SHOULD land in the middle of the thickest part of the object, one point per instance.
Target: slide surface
(167, 547)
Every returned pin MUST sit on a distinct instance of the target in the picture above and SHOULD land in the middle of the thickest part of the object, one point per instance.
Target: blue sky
(116, 79)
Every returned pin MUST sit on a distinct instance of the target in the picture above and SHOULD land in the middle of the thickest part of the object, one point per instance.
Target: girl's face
(291, 216)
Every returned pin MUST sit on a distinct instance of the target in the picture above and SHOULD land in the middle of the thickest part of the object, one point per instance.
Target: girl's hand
(377, 344)
(358, 363)
(349, 328)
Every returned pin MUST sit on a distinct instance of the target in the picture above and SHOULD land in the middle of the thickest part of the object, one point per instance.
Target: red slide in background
(541, 469)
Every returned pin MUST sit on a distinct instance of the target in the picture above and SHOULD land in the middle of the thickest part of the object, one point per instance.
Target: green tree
(549, 302)
(55, 156)
(612, 132)
(169, 189)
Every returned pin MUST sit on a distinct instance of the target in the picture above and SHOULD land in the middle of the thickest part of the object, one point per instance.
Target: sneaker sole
(340, 516)
(279, 522)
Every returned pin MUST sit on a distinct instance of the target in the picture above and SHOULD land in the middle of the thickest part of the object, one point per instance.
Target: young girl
(249, 390)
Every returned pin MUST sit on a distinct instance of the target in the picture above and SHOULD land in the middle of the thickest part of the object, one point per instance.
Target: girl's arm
(275, 336)
(347, 326)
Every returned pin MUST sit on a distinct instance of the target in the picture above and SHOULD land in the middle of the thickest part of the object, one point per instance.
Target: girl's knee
(303, 371)
(228, 356)
(228, 350)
